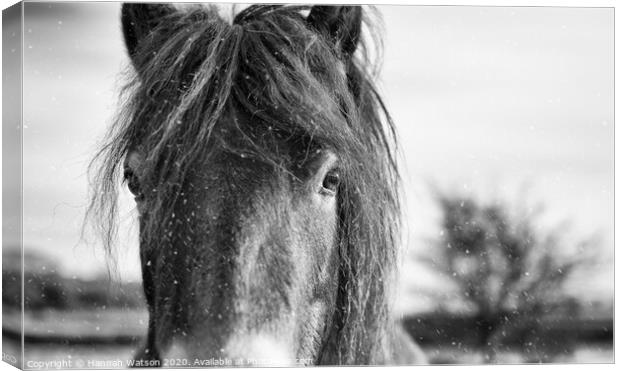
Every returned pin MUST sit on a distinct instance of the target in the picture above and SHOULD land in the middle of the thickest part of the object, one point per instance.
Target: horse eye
(331, 182)
(133, 183)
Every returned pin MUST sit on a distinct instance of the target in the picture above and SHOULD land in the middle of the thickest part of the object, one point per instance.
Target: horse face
(241, 257)
(247, 259)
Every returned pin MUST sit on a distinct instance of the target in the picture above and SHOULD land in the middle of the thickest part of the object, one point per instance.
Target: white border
(506, 3)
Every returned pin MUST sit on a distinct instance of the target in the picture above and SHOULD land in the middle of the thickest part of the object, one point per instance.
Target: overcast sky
(487, 101)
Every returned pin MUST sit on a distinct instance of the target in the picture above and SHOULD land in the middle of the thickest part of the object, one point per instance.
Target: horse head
(262, 163)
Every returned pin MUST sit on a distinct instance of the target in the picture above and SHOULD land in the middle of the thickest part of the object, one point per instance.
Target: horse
(263, 163)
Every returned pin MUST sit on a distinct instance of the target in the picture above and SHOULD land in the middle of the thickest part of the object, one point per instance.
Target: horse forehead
(236, 172)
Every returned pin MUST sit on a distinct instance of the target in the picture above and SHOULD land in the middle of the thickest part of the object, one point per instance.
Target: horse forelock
(198, 75)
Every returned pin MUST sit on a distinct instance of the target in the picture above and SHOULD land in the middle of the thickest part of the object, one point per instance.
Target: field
(121, 353)
(585, 353)
(108, 339)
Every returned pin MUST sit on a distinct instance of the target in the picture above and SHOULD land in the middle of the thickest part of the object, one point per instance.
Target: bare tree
(508, 271)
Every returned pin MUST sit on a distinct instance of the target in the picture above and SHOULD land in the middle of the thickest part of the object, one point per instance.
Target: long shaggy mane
(196, 73)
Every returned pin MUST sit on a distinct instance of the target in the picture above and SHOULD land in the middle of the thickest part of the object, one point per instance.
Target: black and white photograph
(193, 184)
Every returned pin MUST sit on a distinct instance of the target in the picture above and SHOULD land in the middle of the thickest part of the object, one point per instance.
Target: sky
(488, 101)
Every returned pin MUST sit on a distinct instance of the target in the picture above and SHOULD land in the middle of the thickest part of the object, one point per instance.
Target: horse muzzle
(248, 350)
(259, 350)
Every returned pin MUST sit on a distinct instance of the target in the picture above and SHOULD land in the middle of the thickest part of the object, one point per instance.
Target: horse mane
(194, 69)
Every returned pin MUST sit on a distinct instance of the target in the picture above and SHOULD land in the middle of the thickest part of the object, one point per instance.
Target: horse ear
(343, 24)
(139, 20)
